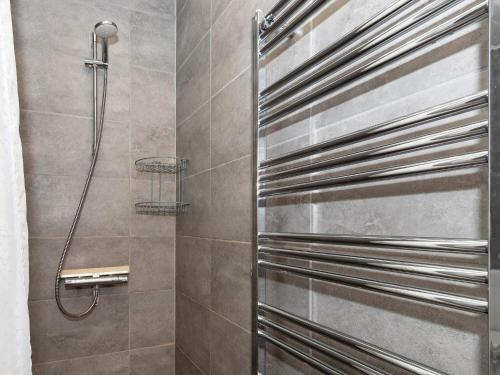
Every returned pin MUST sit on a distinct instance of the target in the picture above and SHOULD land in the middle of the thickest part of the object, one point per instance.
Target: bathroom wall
(132, 329)
(213, 253)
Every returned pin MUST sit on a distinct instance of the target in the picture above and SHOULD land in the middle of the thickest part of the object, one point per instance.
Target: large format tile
(106, 364)
(54, 337)
(231, 347)
(153, 42)
(193, 81)
(61, 145)
(193, 268)
(160, 7)
(84, 253)
(153, 361)
(152, 263)
(232, 282)
(231, 200)
(218, 6)
(196, 221)
(193, 141)
(52, 202)
(231, 121)
(183, 366)
(152, 102)
(193, 23)
(231, 43)
(193, 331)
(151, 318)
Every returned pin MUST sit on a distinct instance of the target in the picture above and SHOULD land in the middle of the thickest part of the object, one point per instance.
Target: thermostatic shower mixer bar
(329, 70)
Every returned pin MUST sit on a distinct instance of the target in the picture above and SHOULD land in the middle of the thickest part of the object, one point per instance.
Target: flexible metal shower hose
(78, 212)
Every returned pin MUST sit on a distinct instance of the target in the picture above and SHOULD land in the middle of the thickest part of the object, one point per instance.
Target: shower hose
(76, 218)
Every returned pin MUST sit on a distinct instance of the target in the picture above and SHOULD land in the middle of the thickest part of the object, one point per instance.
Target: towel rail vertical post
(494, 187)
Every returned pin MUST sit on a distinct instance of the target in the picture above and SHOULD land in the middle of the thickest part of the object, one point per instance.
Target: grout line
(238, 75)
(210, 309)
(224, 11)
(193, 50)
(216, 239)
(192, 114)
(84, 357)
(190, 360)
(216, 167)
(142, 67)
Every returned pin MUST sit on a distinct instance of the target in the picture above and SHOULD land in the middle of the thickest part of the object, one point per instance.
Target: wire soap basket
(158, 166)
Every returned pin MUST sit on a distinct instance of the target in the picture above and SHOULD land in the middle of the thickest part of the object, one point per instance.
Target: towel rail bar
(449, 27)
(455, 301)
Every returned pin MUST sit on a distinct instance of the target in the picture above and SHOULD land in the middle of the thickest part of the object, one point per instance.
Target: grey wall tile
(231, 43)
(231, 281)
(153, 361)
(153, 98)
(218, 6)
(164, 7)
(193, 268)
(193, 81)
(152, 263)
(53, 337)
(193, 141)
(84, 253)
(52, 201)
(193, 22)
(60, 145)
(183, 366)
(193, 331)
(231, 121)
(151, 318)
(231, 347)
(106, 364)
(231, 197)
(153, 42)
(197, 221)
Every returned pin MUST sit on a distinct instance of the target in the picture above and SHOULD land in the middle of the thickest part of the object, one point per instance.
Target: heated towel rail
(321, 75)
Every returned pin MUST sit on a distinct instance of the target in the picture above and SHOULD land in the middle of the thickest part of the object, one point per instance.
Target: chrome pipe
(448, 109)
(92, 281)
(346, 358)
(454, 301)
(461, 245)
(458, 134)
(463, 274)
(380, 18)
(277, 18)
(291, 25)
(314, 362)
(94, 94)
(437, 165)
(449, 27)
(370, 349)
(383, 37)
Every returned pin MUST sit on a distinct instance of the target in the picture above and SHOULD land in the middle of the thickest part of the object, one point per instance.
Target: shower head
(105, 29)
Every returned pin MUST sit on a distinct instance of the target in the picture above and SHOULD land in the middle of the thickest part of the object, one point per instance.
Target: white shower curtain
(15, 350)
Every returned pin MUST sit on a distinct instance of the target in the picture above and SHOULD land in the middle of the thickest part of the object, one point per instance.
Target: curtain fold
(15, 349)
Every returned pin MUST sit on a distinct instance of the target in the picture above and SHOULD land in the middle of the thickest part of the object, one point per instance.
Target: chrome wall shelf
(158, 166)
(366, 49)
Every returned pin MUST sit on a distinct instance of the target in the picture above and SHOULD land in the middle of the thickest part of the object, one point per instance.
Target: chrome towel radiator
(341, 63)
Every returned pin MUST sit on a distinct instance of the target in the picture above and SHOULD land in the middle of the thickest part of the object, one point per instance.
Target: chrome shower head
(105, 29)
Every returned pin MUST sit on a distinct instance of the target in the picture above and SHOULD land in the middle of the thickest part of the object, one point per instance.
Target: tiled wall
(213, 253)
(132, 329)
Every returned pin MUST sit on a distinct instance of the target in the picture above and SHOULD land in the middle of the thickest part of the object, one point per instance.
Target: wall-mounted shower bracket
(91, 63)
